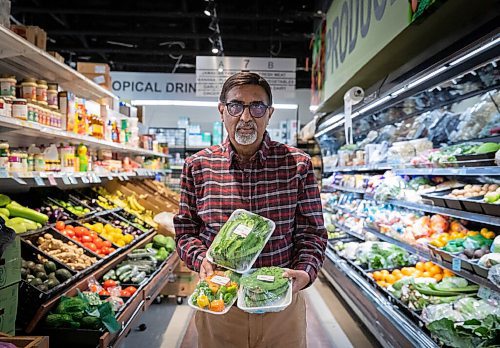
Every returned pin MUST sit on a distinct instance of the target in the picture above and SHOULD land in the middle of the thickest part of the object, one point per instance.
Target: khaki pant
(239, 329)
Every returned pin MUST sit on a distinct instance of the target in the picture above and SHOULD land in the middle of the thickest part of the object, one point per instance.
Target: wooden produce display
(26, 341)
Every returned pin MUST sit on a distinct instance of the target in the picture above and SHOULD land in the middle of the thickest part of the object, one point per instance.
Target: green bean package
(240, 241)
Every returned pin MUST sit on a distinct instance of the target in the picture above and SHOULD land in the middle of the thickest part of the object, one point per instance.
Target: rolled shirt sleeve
(310, 237)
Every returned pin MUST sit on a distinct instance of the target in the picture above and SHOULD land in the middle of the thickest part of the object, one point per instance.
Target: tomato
(131, 289)
(125, 293)
(70, 233)
(64, 232)
(103, 292)
(79, 231)
(96, 238)
(90, 246)
(91, 234)
(87, 239)
(111, 250)
(70, 227)
(94, 288)
(105, 250)
(60, 225)
(110, 283)
(107, 243)
(98, 244)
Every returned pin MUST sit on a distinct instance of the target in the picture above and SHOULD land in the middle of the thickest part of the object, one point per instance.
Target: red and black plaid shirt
(277, 183)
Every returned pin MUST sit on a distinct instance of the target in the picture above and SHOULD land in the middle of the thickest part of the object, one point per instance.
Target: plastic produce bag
(440, 311)
(494, 274)
(489, 260)
(240, 241)
(264, 290)
(166, 220)
(471, 308)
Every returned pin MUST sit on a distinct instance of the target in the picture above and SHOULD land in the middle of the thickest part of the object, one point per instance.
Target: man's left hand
(300, 279)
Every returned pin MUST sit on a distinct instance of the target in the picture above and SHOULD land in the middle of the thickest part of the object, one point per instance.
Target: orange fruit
(412, 270)
(420, 266)
(417, 274)
(397, 273)
(377, 275)
(384, 272)
(382, 283)
(391, 279)
(435, 270)
(428, 265)
(438, 277)
(426, 274)
(448, 273)
(405, 271)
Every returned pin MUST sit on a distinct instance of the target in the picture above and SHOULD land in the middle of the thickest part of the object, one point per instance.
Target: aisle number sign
(212, 71)
(356, 30)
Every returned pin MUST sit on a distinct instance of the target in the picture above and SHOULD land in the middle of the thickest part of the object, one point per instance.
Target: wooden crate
(26, 341)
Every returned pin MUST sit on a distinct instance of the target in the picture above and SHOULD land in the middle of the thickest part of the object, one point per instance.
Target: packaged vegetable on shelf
(265, 290)
(215, 294)
(240, 241)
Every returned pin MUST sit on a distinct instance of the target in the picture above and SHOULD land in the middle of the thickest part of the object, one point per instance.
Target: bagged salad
(265, 290)
(240, 241)
(216, 293)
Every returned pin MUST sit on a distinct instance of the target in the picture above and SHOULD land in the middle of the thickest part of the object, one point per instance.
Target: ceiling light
(476, 51)
(313, 108)
(209, 10)
(121, 44)
(426, 77)
(215, 50)
(174, 102)
(286, 106)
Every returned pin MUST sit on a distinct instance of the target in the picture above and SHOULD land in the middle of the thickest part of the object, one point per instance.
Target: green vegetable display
(232, 249)
(258, 292)
(378, 255)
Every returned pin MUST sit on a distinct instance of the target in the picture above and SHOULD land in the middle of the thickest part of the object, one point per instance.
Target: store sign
(356, 31)
(139, 85)
(212, 71)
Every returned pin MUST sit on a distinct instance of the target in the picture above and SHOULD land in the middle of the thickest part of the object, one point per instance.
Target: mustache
(249, 124)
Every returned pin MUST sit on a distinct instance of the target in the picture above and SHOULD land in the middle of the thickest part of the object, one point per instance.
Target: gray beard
(245, 139)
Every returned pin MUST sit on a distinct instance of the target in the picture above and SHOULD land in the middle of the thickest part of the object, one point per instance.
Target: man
(250, 171)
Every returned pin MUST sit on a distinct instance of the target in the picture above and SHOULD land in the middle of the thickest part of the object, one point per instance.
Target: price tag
(72, 179)
(66, 180)
(439, 259)
(52, 180)
(19, 180)
(120, 177)
(85, 180)
(125, 177)
(97, 179)
(110, 177)
(266, 278)
(242, 230)
(484, 292)
(39, 181)
(220, 280)
(456, 264)
(4, 174)
(43, 174)
(90, 177)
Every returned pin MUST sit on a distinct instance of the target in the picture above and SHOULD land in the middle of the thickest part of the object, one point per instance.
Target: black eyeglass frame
(227, 104)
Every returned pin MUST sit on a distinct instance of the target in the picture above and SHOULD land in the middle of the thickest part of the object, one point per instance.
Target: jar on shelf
(52, 95)
(4, 157)
(8, 106)
(20, 109)
(41, 92)
(7, 86)
(28, 87)
(15, 162)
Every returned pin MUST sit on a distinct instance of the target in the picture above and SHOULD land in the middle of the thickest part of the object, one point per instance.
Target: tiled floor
(330, 324)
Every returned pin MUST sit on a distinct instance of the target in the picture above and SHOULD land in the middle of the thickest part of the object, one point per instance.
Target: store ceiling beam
(296, 16)
(138, 34)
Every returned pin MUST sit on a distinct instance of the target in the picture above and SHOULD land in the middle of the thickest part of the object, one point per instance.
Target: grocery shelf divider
(459, 171)
(346, 189)
(349, 231)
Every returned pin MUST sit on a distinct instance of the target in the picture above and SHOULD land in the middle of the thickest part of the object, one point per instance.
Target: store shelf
(349, 231)
(21, 133)
(391, 327)
(462, 171)
(25, 60)
(427, 255)
(333, 188)
(486, 219)
(369, 168)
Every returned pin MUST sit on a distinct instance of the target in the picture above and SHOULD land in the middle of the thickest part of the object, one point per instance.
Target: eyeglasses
(257, 109)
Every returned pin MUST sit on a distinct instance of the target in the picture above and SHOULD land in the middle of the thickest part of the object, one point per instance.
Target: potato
(468, 187)
(493, 188)
(485, 187)
(482, 193)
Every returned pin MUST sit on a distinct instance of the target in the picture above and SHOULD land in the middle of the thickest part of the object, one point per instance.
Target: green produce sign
(356, 31)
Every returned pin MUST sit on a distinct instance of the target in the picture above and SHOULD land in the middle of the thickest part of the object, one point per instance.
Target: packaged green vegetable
(265, 290)
(240, 241)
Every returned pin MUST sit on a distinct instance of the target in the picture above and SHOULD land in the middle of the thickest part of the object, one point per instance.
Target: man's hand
(300, 279)
(206, 269)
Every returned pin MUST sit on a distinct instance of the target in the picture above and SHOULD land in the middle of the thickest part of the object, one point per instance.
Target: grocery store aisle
(330, 324)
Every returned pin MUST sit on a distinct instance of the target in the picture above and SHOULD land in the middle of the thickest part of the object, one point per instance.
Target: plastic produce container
(240, 241)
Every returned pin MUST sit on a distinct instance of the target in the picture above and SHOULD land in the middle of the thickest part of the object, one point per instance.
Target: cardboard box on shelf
(57, 56)
(8, 309)
(93, 68)
(36, 35)
(41, 38)
(10, 264)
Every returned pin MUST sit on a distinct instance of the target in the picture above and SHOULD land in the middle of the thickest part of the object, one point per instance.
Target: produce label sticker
(220, 280)
(456, 265)
(52, 180)
(242, 230)
(266, 278)
(39, 181)
(484, 292)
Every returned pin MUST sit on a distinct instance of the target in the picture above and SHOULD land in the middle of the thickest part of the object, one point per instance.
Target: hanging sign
(212, 71)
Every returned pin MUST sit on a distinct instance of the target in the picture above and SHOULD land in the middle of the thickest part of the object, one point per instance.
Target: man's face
(246, 130)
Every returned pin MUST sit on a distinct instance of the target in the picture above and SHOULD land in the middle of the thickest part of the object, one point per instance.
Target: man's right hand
(206, 269)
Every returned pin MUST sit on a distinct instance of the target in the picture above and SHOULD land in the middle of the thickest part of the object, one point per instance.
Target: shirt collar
(231, 154)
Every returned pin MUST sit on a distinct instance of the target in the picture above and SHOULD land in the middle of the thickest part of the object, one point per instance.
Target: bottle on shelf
(82, 158)
(52, 161)
(33, 151)
(4, 157)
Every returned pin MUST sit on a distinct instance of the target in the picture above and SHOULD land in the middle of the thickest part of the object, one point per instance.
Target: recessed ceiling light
(215, 50)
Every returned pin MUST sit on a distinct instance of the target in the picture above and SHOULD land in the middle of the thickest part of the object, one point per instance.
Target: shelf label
(66, 180)
(439, 259)
(125, 177)
(484, 292)
(120, 177)
(110, 177)
(73, 180)
(4, 174)
(97, 179)
(52, 180)
(220, 280)
(39, 181)
(85, 180)
(19, 180)
(456, 264)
